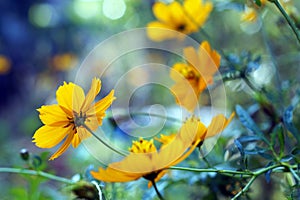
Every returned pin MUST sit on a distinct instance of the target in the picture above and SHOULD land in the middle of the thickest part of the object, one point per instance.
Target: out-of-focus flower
(4, 65)
(217, 125)
(192, 77)
(70, 118)
(249, 15)
(148, 162)
(186, 18)
(64, 62)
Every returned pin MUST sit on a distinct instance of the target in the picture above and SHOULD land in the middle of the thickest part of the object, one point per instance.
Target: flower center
(181, 27)
(79, 119)
(189, 73)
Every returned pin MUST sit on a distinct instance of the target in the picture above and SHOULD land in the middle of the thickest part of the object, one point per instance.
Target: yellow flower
(148, 162)
(249, 15)
(66, 120)
(5, 65)
(64, 62)
(152, 164)
(192, 78)
(217, 125)
(174, 18)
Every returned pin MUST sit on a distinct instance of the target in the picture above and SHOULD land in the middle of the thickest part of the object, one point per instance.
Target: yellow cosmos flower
(64, 62)
(67, 119)
(192, 78)
(217, 125)
(5, 65)
(186, 18)
(148, 162)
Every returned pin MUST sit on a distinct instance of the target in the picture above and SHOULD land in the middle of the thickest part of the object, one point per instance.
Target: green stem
(245, 189)
(36, 173)
(288, 19)
(102, 141)
(220, 171)
(156, 190)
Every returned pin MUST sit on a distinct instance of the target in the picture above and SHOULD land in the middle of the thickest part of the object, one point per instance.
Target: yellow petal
(114, 175)
(101, 106)
(70, 96)
(81, 134)
(218, 124)
(53, 115)
(48, 137)
(91, 95)
(63, 147)
(191, 57)
(158, 31)
(162, 12)
(186, 94)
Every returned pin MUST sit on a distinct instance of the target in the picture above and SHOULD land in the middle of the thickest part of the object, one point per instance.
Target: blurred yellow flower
(148, 162)
(217, 125)
(249, 15)
(186, 18)
(4, 64)
(67, 119)
(64, 62)
(192, 77)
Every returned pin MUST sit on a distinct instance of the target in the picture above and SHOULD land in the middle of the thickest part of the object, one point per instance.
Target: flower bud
(24, 154)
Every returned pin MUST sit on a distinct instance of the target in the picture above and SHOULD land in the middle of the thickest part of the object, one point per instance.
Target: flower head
(186, 18)
(69, 119)
(192, 78)
(148, 162)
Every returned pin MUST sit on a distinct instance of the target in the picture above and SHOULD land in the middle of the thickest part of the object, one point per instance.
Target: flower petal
(82, 134)
(162, 12)
(70, 96)
(113, 175)
(218, 124)
(63, 147)
(91, 95)
(100, 107)
(48, 136)
(158, 31)
(53, 115)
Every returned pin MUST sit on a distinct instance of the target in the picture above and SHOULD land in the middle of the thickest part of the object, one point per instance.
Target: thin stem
(288, 19)
(220, 171)
(156, 190)
(110, 115)
(245, 189)
(36, 173)
(157, 115)
(105, 144)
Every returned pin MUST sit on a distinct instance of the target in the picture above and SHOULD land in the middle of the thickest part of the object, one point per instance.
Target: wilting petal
(63, 147)
(218, 124)
(91, 95)
(53, 115)
(48, 136)
(70, 96)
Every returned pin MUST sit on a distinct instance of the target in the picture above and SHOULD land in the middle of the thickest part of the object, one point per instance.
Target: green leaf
(257, 2)
(248, 122)
(288, 122)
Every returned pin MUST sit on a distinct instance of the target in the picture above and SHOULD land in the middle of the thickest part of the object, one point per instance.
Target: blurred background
(43, 43)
